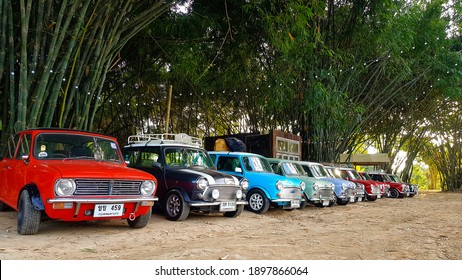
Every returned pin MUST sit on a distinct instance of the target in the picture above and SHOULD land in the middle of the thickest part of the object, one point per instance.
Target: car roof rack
(182, 138)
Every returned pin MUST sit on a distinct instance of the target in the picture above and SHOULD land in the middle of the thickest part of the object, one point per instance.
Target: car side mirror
(238, 170)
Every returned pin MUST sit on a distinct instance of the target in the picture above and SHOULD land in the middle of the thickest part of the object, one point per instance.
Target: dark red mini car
(71, 175)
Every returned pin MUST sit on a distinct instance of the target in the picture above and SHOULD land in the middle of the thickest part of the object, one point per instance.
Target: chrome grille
(375, 190)
(107, 187)
(290, 193)
(325, 193)
(226, 192)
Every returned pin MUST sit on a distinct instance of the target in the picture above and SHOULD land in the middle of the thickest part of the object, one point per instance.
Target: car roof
(233, 153)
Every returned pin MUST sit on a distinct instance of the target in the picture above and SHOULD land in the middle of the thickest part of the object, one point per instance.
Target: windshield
(366, 176)
(75, 146)
(394, 178)
(318, 170)
(187, 157)
(291, 169)
(333, 173)
(256, 164)
(353, 175)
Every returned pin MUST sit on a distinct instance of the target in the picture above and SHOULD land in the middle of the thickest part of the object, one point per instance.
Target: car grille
(290, 193)
(107, 187)
(375, 190)
(325, 193)
(227, 192)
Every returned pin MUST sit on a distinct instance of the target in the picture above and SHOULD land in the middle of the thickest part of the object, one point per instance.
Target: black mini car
(187, 179)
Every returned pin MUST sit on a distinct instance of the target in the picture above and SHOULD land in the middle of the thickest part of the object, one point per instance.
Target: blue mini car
(345, 191)
(265, 188)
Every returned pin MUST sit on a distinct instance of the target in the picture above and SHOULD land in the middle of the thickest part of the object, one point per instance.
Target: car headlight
(332, 186)
(215, 194)
(64, 187)
(279, 185)
(302, 185)
(239, 194)
(244, 184)
(344, 187)
(202, 183)
(315, 187)
(147, 188)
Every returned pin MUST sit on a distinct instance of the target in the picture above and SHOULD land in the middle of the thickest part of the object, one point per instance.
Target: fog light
(88, 212)
(215, 194)
(239, 194)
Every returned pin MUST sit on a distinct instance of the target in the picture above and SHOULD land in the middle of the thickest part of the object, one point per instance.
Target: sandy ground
(425, 227)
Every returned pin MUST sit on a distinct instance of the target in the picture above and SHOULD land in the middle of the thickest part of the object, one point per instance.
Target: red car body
(40, 181)
(372, 189)
(397, 190)
(384, 187)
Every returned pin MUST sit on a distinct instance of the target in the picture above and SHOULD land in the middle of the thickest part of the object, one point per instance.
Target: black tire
(371, 197)
(234, 214)
(304, 202)
(341, 202)
(258, 202)
(2, 206)
(140, 221)
(28, 217)
(175, 208)
(394, 193)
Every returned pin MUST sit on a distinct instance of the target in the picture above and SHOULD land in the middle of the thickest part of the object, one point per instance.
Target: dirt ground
(425, 227)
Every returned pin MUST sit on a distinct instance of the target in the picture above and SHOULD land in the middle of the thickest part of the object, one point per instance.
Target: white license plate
(295, 203)
(108, 210)
(360, 199)
(352, 199)
(325, 203)
(227, 206)
(379, 196)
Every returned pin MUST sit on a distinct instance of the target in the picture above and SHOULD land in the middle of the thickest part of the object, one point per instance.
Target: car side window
(228, 164)
(24, 146)
(149, 156)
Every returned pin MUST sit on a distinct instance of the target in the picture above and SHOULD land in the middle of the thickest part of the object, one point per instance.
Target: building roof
(364, 159)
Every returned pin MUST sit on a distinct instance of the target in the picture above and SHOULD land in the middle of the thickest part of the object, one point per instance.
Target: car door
(13, 169)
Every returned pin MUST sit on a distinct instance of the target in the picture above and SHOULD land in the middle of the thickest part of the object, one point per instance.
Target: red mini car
(71, 175)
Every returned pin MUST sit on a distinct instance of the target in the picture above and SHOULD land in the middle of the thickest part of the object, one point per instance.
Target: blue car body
(265, 187)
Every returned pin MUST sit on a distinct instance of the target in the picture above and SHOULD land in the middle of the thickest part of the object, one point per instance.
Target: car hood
(212, 176)
(262, 178)
(339, 182)
(365, 182)
(95, 169)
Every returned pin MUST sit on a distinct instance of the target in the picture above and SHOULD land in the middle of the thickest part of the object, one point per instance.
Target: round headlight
(315, 187)
(215, 194)
(244, 184)
(344, 187)
(147, 188)
(302, 185)
(239, 194)
(202, 183)
(279, 185)
(64, 187)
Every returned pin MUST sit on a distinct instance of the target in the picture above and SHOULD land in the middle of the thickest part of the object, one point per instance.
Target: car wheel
(394, 193)
(2, 206)
(371, 197)
(175, 207)
(234, 214)
(140, 221)
(304, 202)
(341, 202)
(258, 203)
(28, 217)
